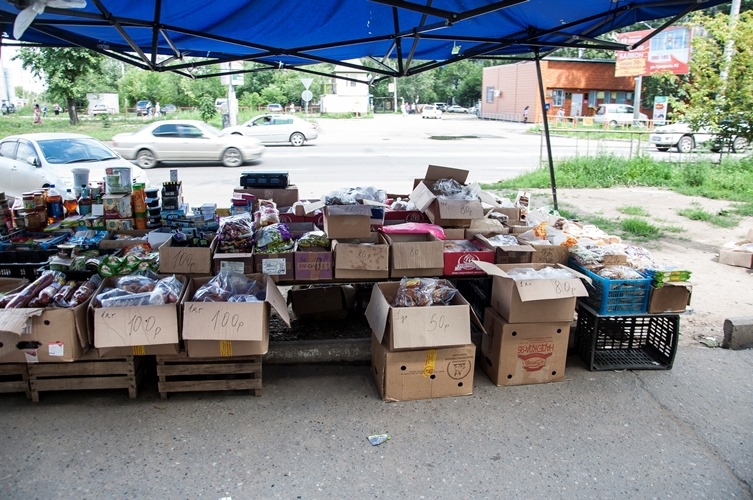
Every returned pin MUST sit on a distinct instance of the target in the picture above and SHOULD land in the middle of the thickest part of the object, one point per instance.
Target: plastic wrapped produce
(236, 233)
(620, 273)
(313, 239)
(267, 214)
(414, 292)
(450, 188)
(31, 291)
(85, 290)
(274, 239)
(547, 273)
(226, 285)
(166, 291)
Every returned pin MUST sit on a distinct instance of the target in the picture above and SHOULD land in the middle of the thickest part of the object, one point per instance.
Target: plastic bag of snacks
(313, 239)
(414, 292)
(236, 233)
(230, 287)
(274, 239)
(267, 214)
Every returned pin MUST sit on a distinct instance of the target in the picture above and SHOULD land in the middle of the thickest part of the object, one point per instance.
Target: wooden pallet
(15, 378)
(184, 374)
(90, 372)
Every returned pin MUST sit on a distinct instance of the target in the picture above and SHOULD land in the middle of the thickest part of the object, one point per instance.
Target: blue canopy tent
(401, 37)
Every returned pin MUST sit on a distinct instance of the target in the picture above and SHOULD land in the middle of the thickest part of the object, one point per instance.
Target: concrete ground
(680, 433)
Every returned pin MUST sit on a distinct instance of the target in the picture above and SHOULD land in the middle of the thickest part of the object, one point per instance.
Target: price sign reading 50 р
(143, 326)
(226, 321)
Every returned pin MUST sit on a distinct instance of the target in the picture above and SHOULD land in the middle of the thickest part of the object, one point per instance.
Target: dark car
(143, 108)
(8, 108)
(168, 109)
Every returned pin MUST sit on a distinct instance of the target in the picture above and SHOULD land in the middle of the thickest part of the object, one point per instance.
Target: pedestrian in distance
(525, 114)
(44, 110)
(37, 115)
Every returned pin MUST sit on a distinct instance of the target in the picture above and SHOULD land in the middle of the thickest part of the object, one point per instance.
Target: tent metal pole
(542, 96)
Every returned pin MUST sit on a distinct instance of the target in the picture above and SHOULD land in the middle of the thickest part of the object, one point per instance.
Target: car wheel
(146, 159)
(662, 148)
(297, 139)
(739, 145)
(685, 144)
(232, 158)
(613, 123)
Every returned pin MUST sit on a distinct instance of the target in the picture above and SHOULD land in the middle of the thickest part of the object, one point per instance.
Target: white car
(99, 109)
(185, 141)
(431, 111)
(33, 161)
(271, 129)
(456, 109)
(618, 114)
(681, 137)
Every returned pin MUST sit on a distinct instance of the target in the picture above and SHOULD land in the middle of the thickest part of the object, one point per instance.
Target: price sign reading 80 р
(562, 288)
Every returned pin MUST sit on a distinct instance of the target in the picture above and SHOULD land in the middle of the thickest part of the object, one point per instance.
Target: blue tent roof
(167, 35)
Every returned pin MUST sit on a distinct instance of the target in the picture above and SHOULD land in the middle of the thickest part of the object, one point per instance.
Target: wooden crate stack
(15, 378)
(90, 372)
(184, 374)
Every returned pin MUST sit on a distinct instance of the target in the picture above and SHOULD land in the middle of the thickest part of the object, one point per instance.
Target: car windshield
(74, 150)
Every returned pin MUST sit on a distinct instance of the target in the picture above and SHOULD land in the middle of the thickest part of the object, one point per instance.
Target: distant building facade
(577, 87)
(347, 96)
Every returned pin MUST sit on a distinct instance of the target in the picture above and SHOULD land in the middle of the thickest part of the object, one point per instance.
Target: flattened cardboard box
(44, 335)
(231, 328)
(417, 327)
(136, 325)
(186, 260)
(534, 300)
(363, 258)
(672, 297)
(523, 353)
(414, 255)
(422, 373)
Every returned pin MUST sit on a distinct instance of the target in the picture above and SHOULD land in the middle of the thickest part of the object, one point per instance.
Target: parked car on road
(456, 109)
(271, 129)
(275, 108)
(618, 114)
(33, 161)
(681, 137)
(8, 108)
(143, 108)
(431, 111)
(98, 109)
(185, 141)
(168, 109)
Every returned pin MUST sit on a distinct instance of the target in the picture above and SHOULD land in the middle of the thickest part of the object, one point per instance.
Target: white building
(347, 96)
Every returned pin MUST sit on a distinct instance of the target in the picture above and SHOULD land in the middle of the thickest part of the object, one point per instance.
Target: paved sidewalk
(681, 433)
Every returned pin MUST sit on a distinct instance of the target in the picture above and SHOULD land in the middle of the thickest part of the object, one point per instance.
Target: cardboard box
(136, 325)
(549, 254)
(347, 221)
(363, 258)
(283, 197)
(117, 206)
(278, 266)
(324, 303)
(242, 263)
(401, 216)
(674, 296)
(423, 373)
(417, 327)
(313, 264)
(44, 335)
(460, 257)
(739, 253)
(121, 239)
(523, 353)
(414, 255)
(119, 224)
(534, 300)
(139, 350)
(230, 328)
(484, 227)
(186, 260)
(506, 254)
(439, 209)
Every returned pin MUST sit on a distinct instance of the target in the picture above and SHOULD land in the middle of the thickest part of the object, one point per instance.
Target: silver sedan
(272, 129)
(185, 141)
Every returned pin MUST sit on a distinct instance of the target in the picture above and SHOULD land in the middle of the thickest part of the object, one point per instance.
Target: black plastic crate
(631, 342)
(478, 293)
(23, 263)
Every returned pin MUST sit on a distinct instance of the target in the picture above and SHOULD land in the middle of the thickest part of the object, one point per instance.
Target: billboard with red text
(667, 51)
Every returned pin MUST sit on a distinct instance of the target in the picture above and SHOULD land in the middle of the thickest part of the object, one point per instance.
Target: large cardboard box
(136, 325)
(186, 260)
(460, 257)
(283, 197)
(442, 210)
(278, 266)
(44, 335)
(230, 328)
(242, 263)
(549, 254)
(417, 327)
(422, 373)
(674, 296)
(414, 255)
(322, 303)
(534, 300)
(523, 353)
(506, 254)
(347, 221)
(484, 227)
(362, 258)
(313, 264)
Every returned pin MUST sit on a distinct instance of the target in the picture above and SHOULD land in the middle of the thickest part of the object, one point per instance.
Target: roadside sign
(306, 95)
(306, 82)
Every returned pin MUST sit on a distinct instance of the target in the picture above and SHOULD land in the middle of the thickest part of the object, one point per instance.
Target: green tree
(64, 70)
(723, 104)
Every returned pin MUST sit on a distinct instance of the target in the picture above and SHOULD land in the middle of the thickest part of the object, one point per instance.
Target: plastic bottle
(54, 201)
(70, 203)
(85, 202)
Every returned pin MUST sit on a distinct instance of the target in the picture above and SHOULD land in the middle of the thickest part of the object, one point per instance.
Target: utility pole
(729, 48)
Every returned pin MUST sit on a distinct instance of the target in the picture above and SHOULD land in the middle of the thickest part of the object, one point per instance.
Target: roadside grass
(633, 210)
(722, 219)
(640, 229)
